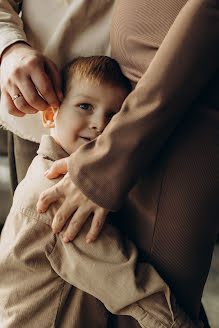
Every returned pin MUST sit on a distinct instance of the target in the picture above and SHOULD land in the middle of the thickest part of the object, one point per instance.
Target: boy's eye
(85, 106)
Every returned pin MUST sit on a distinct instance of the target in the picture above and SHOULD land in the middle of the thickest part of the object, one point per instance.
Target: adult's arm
(106, 169)
(24, 70)
(11, 25)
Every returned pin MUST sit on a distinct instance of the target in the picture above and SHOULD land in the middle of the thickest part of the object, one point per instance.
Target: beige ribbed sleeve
(106, 169)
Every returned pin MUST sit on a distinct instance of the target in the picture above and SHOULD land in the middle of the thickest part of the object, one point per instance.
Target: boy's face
(85, 111)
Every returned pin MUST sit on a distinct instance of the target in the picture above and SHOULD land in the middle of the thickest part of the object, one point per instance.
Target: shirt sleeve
(11, 25)
(106, 169)
(108, 270)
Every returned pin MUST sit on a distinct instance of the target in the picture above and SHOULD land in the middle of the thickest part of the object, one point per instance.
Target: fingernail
(45, 173)
(65, 239)
(88, 241)
(39, 210)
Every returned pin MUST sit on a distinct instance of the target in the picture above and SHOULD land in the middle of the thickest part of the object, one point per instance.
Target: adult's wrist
(14, 46)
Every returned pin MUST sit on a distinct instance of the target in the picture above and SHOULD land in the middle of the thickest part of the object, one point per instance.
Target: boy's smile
(86, 110)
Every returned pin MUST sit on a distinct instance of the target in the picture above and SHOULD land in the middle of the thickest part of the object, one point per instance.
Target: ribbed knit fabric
(181, 239)
(138, 28)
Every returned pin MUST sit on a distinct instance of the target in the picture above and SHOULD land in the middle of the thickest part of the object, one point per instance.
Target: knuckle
(33, 98)
(7, 84)
(16, 74)
(43, 197)
(68, 185)
(73, 229)
(45, 89)
(56, 189)
(55, 165)
(98, 224)
(75, 225)
(76, 198)
(59, 218)
(31, 61)
(22, 104)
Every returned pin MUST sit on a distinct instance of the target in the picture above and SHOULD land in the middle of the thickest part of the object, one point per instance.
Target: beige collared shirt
(61, 30)
(38, 270)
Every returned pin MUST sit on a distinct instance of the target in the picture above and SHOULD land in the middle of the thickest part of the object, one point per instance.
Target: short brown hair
(100, 69)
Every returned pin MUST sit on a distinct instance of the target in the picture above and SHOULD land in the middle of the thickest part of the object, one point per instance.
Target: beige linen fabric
(61, 30)
(38, 269)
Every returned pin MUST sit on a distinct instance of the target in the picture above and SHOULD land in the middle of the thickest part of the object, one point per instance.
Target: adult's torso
(138, 28)
(61, 30)
(65, 29)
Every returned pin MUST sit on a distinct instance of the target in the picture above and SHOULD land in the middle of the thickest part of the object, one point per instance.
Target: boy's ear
(48, 118)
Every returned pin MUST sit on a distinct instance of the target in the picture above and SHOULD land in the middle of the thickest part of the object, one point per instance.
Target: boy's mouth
(86, 138)
(91, 137)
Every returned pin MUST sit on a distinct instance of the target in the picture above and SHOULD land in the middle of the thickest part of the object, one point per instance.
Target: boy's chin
(73, 147)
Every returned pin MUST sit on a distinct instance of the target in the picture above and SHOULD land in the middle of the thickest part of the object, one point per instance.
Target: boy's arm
(108, 270)
(106, 169)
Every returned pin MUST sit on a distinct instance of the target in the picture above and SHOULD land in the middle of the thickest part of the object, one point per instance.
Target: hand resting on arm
(74, 201)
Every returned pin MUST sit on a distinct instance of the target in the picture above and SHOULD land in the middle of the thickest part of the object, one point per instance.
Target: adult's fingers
(31, 95)
(55, 77)
(20, 103)
(96, 225)
(30, 72)
(58, 167)
(59, 191)
(7, 102)
(48, 197)
(62, 215)
(76, 223)
(44, 85)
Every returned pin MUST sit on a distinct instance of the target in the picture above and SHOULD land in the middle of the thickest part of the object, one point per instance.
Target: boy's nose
(98, 123)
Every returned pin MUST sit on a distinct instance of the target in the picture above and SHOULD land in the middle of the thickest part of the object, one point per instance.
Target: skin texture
(85, 112)
(27, 72)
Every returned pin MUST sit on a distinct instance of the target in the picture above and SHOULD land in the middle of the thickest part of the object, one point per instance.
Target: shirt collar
(50, 149)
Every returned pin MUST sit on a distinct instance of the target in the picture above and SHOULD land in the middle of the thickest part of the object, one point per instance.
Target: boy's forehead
(86, 83)
(81, 86)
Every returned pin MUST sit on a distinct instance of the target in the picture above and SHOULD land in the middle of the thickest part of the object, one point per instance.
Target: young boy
(37, 268)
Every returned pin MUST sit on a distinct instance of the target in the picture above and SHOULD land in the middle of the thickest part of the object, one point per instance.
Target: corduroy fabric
(38, 270)
(159, 154)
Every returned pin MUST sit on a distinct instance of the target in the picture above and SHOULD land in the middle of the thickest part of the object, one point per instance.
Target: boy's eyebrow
(84, 95)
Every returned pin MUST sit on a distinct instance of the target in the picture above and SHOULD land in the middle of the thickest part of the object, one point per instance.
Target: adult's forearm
(106, 169)
(11, 26)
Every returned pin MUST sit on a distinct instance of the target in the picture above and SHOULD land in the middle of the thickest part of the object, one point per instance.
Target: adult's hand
(30, 75)
(58, 167)
(74, 204)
